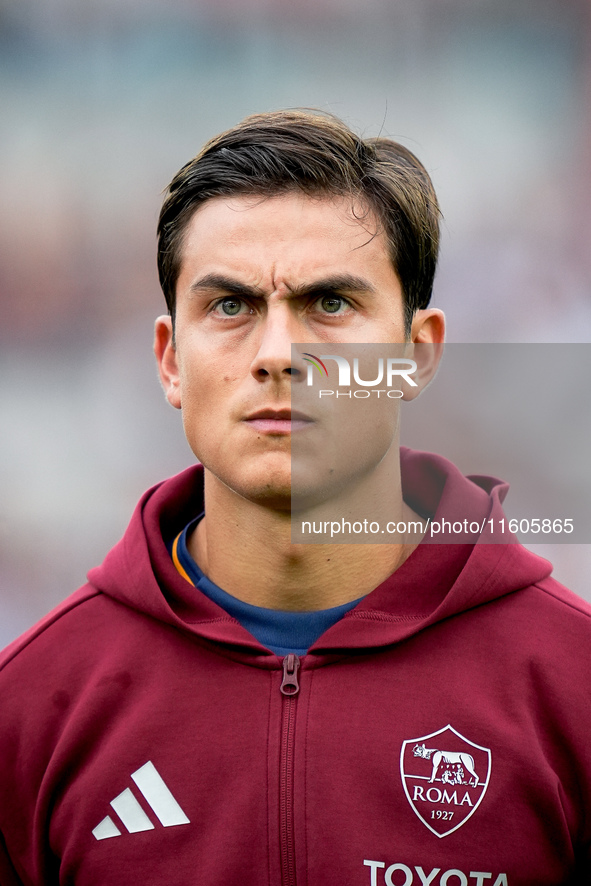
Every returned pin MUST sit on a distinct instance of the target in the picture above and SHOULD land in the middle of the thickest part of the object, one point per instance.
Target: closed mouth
(278, 421)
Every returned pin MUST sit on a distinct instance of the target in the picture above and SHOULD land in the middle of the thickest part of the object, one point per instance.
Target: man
(222, 706)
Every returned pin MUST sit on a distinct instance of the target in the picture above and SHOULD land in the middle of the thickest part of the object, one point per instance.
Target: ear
(428, 325)
(427, 336)
(166, 357)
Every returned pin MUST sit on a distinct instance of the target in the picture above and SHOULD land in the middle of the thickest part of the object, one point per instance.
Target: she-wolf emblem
(458, 759)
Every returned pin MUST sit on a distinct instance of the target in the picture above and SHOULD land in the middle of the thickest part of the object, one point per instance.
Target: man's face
(258, 274)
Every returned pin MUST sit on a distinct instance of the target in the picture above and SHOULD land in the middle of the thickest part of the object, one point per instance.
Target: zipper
(289, 689)
(291, 666)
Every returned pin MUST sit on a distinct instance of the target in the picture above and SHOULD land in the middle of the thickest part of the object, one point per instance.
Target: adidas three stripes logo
(133, 816)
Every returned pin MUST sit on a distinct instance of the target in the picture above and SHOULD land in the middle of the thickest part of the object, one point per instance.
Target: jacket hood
(437, 581)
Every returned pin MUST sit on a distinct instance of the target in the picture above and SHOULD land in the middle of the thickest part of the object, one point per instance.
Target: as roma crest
(445, 777)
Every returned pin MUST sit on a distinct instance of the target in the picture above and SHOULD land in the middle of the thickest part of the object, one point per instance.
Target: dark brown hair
(272, 153)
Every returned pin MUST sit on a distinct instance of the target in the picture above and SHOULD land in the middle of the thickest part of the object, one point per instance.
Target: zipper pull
(289, 684)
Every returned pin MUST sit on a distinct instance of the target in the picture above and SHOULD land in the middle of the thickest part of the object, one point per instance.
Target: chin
(275, 496)
(268, 488)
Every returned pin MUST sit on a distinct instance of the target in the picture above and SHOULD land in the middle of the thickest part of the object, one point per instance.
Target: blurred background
(101, 101)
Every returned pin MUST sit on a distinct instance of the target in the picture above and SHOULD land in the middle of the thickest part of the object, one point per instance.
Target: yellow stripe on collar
(177, 562)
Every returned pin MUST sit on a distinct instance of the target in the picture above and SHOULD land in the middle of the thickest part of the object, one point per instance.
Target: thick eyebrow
(221, 283)
(337, 283)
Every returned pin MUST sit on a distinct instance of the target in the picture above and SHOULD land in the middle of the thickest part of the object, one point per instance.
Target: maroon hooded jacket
(439, 734)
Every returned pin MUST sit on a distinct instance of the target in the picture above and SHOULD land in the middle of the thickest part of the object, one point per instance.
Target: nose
(275, 358)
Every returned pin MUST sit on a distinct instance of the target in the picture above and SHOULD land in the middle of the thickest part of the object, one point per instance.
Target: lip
(278, 421)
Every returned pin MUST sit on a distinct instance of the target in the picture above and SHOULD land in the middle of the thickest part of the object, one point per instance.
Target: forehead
(291, 235)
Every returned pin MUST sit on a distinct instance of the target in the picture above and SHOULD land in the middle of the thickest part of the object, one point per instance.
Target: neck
(247, 550)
